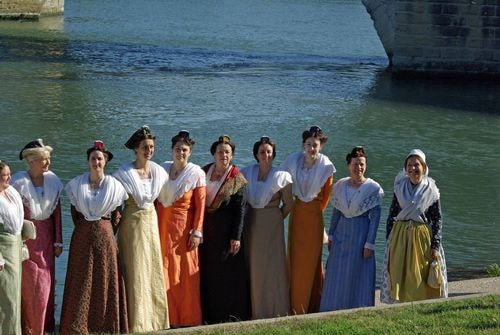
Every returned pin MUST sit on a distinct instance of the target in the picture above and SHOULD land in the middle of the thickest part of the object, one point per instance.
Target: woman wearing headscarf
(312, 176)
(40, 190)
(12, 230)
(138, 236)
(94, 291)
(350, 268)
(180, 207)
(413, 235)
(269, 200)
(224, 281)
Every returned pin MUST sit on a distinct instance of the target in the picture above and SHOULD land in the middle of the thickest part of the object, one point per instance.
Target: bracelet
(196, 233)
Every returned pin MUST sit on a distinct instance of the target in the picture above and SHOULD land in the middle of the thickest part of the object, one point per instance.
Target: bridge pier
(29, 9)
(439, 37)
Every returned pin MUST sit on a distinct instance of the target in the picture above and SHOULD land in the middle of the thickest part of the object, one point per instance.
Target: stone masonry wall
(29, 9)
(443, 35)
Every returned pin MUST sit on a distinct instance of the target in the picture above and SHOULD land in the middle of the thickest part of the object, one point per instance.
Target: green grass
(493, 270)
(469, 316)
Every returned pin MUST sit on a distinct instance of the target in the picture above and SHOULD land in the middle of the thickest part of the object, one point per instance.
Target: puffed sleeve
(237, 206)
(325, 192)
(199, 195)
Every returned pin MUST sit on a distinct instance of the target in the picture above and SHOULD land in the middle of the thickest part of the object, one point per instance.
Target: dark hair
(99, 146)
(224, 139)
(183, 136)
(316, 132)
(143, 133)
(3, 164)
(263, 140)
(357, 151)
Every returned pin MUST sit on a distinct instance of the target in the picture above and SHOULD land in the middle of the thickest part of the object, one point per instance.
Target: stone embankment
(439, 36)
(29, 9)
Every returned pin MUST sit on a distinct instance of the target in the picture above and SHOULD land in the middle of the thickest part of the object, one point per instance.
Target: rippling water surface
(247, 69)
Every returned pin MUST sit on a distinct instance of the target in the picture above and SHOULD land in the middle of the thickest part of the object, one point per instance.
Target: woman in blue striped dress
(350, 268)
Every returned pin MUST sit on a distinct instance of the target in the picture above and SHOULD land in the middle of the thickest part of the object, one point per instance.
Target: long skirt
(140, 255)
(349, 278)
(224, 278)
(305, 245)
(180, 265)
(266, 256)
(94, 291)
(39, 281)
(10, 283)
(407, 262)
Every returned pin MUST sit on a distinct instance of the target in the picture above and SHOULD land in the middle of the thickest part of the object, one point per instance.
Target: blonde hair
(33, 154)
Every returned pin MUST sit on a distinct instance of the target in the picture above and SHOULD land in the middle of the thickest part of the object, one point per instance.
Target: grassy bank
(468, 316)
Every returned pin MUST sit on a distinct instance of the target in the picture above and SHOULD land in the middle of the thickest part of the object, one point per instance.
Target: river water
(249, 68)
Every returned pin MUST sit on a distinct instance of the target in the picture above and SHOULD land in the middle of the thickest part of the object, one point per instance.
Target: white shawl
(130, 179)
(307, 183)
(191, 177)
(259, 193)
(368, 195)
(110, 195)
(12, 212)
(41, 207)
(414, 200)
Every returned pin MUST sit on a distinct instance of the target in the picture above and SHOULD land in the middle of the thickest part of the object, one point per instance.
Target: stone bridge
(443, 37)
(29, 9)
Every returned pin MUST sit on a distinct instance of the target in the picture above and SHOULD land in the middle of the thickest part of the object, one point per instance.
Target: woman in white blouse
(269, 200)
(312, 175)
(138, 237)
(94, 299)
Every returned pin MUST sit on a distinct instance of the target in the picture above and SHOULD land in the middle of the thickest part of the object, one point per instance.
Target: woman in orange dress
(180, 208)
(312, 175)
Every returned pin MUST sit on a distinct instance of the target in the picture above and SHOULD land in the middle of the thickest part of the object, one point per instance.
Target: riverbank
(458, 290)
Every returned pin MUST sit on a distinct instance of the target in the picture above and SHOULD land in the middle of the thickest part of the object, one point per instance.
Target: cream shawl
(12, 212)
(130, 179)
(40, 206)
(110, 195)
(191, 177)
(414, 199)
(368, 195)
(259, 193)
(307, 183)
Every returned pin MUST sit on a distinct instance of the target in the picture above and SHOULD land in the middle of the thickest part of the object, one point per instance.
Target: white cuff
(369, 246)
(196, 233)
(58, 245)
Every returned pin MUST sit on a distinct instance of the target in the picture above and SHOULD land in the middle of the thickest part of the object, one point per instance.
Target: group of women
(175, 244)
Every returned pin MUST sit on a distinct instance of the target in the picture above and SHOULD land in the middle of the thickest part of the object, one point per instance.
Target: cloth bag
(435, 277)
(28, 232)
